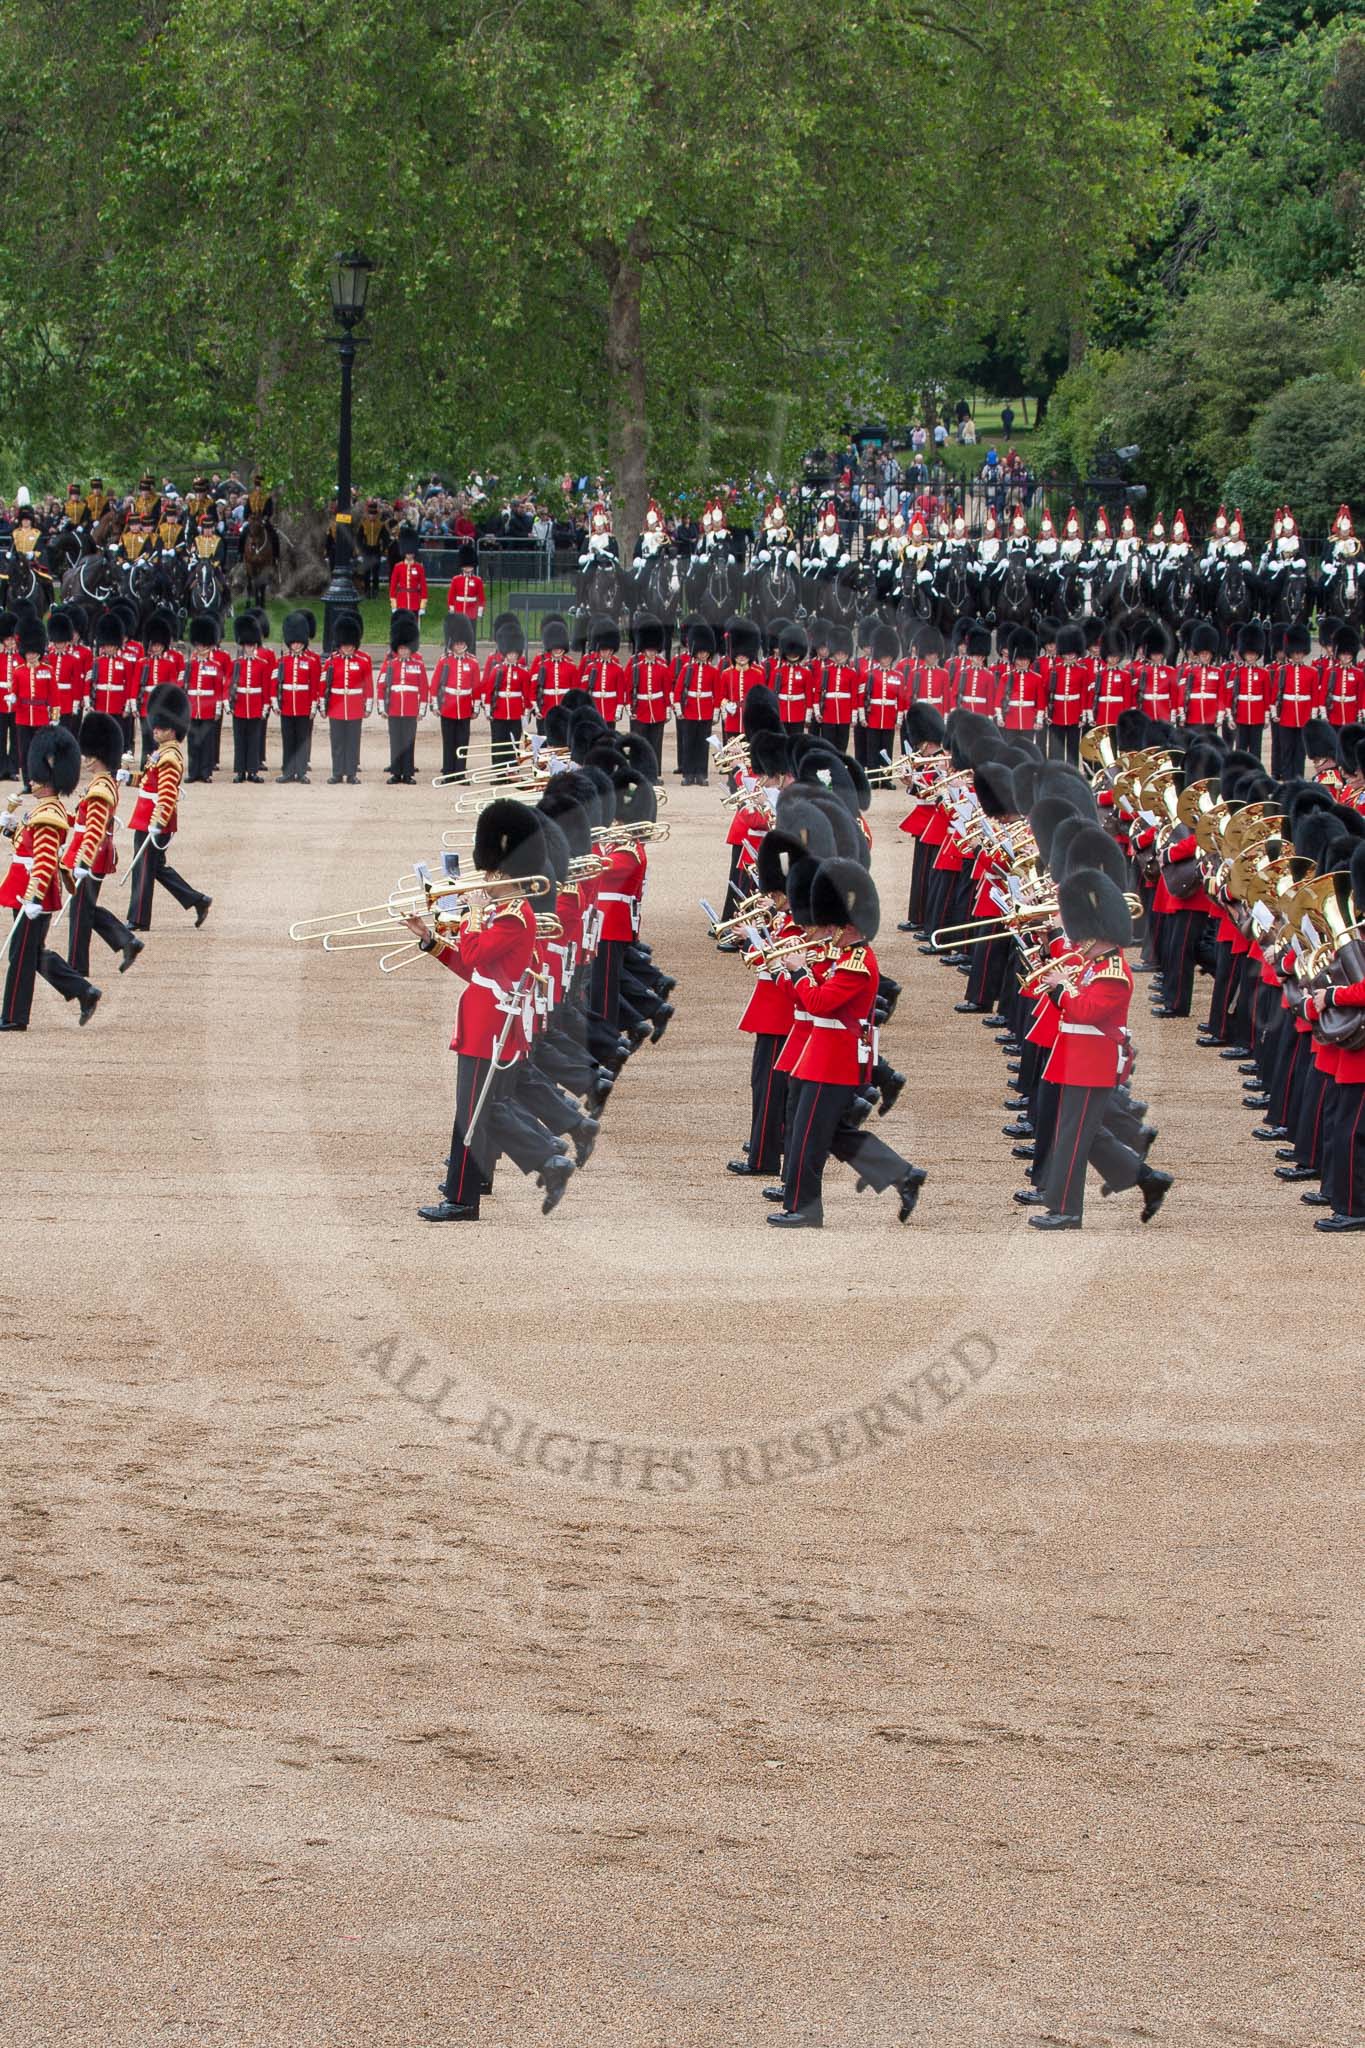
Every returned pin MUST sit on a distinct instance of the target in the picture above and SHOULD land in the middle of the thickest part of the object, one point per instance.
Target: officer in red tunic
(974, 682)
(348, 699)
(1115, 680)
(741, 674)
(113, 686)
(1250, 690)
(1158, 679)
(70, 672)
(408, 580)
(456, 691)
(695, 694)
(466, 598)
(298, 690)
(404, 690)
(32, 889)
(156, 814)
(1300, 694)
(91, 854)
(838, 996)
(250, 697)
(1343, 678)
(492, 950)
(207, 683)
(649, 685)
(1071, 696)
(1092, 992)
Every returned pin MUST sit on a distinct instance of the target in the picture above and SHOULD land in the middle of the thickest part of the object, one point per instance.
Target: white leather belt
(610, 896)
(830, 1024)
(507, 998)
(1082, 1030)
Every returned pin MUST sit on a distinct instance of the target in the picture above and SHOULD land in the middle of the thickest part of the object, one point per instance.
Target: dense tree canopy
(671, 238)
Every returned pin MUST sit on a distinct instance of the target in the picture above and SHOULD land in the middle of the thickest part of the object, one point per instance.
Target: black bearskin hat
(298, 626)
(509, 635)
(245, 630)
(570, 815)
(636, 802)
(800, 876)
(793, 645)
(638, 752)
(925, 726)
(768, 753)
(759, 711)
(554, 634)
(204, 631)
(55, 758)
(843, 892)
(109, 631)
(160, 630)
(849, 843)
(508, 839)
(556, 847)
(701, 640)
(1046, 816)
(1251, 640)
(460, 631)
(349, 631)
(32, 639)
(102, 740)
(59, 627)
(1320, 741)
(994, 789)
(1071, 643)
(1092, 907)
(647, 633)
(605, 636)
(743, 637)
(405, 632)
(1297, 641)
(1130, 730)
(168, 708)
(1203, 638)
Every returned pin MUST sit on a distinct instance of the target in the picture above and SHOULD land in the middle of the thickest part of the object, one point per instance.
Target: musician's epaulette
(102, 790)
(49, 813)
(855, 961)
(1111, 968)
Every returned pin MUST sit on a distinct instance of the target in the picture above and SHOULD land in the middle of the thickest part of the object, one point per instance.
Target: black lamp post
(348, 286)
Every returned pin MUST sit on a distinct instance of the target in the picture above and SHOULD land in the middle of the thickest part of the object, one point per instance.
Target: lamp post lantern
(348, 287)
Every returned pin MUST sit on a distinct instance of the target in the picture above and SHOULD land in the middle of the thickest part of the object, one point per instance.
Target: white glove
(155, 837)
(80, 874)
(31, 909)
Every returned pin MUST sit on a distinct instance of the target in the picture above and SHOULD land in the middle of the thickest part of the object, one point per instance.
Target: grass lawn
(375, 613)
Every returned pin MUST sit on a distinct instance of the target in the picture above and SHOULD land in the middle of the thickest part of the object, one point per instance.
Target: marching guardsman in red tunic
(974, 682)
(695, 694)
(32, 889)
(1092, 988)
(156, 814)
(161, 663)
(1024, 702)
(348, 699)
(253, 683)
(466, 598)
(298, 690)
(1299, 697)
(404, 689)
(408, 580)
(771, 1010)
(492, 950)
(1203, 686)
(841, 690)
(507, 686)
(1071, 695)
(456, 691)
(91, 854)
(554, 672)
(838, 996)
(649, 685)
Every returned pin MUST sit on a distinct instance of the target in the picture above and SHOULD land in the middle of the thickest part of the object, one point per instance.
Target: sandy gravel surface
(423, 1637)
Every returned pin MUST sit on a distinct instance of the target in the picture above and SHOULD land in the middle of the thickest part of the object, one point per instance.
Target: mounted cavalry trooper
(601, 539)
(1154, 553)
(654, 538)
(1180, 539)
(775, 545)
(1047, 548)
(1216, 542)
(1290, 560)
(828, 554)
(918, 566)
(1019, 542)
(1341, 576)
(957, 543)
(1073, 538)
(988, 547)
(1128, 543)
(1101, 539)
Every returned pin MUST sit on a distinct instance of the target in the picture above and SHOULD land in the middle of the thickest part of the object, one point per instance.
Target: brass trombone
(346, 930)
(750, 911)
(1009, 924)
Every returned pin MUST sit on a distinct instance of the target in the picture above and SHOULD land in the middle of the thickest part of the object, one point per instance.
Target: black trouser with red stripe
(296, 745)
(500, 1128)
(1082, 1139)
(29, 956)
(1345, 1180)
(768, 1094)
(402, 748)
(86, 915)
(1064, 744)
(604, 995)
(655, 735)
(815, 1130)
(1288, 751)
(248, 745)
(454, 741)
(1178, 953)
(10, 765)
(151, 867)
(201, 750)
(835, 736)
(694, 756)
(506, 739)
